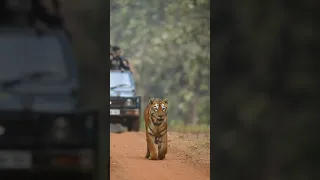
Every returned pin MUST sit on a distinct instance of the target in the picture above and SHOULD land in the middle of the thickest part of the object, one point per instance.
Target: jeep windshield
(120, 79)
(24, 54)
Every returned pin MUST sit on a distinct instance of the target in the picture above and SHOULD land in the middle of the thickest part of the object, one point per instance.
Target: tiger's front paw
(153, 157)
(161, 157)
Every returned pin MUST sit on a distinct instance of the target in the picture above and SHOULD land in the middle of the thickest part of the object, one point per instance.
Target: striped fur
(156, 124)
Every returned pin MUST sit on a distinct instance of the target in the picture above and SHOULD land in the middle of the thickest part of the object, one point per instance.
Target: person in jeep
(117, 62)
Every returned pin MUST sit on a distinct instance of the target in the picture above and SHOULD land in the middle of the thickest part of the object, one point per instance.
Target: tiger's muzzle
(159, 120)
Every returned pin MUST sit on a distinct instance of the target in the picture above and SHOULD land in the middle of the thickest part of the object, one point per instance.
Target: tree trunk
(195, 99)
(194, 111)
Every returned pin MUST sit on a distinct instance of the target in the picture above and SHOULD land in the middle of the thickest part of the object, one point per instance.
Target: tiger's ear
(151, 100)
(165, 100)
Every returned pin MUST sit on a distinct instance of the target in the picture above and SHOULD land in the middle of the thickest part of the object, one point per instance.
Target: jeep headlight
(60, 128)
(128, 102)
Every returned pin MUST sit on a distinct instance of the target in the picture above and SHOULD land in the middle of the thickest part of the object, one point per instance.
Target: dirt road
(127, 159)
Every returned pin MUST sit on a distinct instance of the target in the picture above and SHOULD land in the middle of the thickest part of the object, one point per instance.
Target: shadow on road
(117, 128)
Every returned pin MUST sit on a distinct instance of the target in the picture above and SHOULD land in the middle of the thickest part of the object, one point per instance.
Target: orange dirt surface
(188, 158)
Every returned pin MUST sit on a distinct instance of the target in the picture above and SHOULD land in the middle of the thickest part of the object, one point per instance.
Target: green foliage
(168, 43)
(179, 126)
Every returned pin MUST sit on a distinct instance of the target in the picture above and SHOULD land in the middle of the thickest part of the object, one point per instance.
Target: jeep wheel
(134, 125)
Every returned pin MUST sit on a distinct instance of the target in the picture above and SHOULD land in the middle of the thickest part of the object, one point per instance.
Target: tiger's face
(158, 110)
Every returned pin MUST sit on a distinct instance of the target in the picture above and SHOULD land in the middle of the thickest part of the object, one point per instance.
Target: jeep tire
(133, 124)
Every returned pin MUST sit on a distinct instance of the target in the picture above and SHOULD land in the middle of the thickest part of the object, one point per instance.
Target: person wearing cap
(116, 59)
(118, 62)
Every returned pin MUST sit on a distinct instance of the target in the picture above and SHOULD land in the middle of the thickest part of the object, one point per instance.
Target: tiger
(156, 124)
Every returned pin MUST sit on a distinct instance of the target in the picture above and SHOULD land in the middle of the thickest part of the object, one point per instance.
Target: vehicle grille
(77, 132)
(16, 128)
(35, 129)
(116, 103)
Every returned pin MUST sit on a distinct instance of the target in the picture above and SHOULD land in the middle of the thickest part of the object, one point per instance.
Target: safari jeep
(125, 106)
(42, 127)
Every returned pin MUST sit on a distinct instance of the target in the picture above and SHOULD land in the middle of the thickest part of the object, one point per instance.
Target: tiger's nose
(161, 117)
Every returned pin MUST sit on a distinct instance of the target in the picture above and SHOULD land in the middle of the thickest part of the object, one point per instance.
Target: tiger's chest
(156, 131)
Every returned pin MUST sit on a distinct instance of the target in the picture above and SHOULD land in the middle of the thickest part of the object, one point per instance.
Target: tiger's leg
(151, 147)
(148, 152)
(162, 148)
(159, 140)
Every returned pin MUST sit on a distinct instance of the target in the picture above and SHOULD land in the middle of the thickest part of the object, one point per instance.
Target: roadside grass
(190, 128)
(180, 127)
